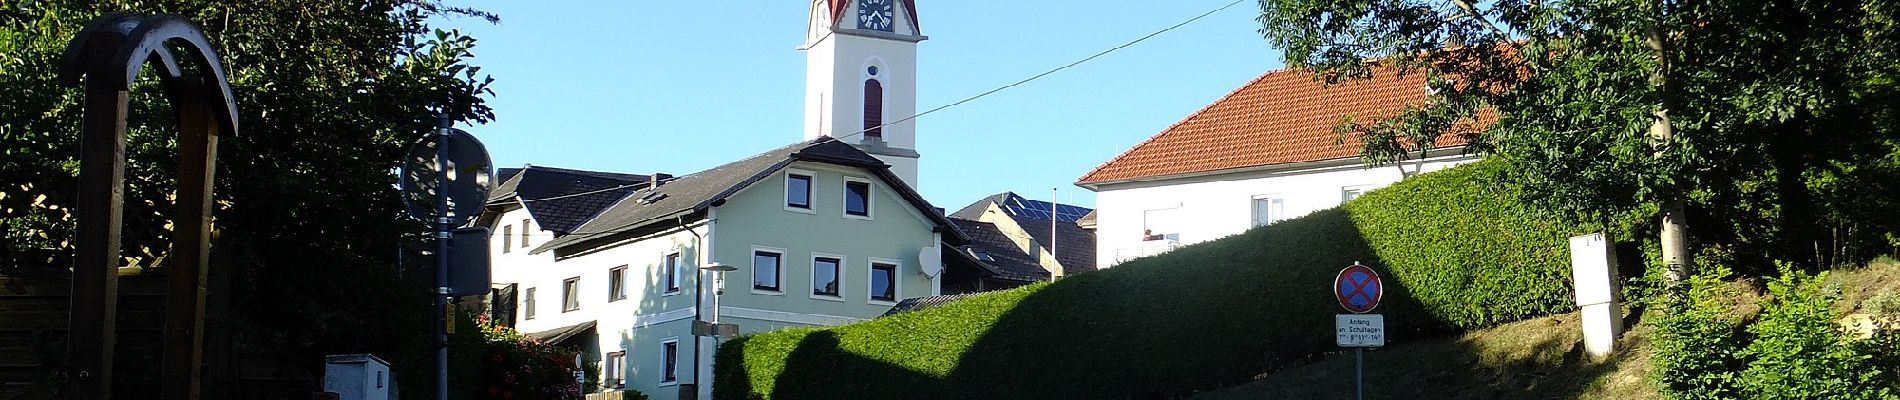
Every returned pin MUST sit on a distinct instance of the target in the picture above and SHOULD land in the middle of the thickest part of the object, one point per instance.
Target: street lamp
(719, 287)
(702, 328)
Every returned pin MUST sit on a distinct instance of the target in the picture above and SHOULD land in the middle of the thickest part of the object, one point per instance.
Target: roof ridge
(1210, 105)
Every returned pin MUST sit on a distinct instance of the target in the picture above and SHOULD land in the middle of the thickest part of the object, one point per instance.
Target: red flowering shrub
(517, 367)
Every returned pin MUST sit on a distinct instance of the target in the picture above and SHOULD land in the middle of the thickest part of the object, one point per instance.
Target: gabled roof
(689, 196)
(840, 8)
(562, 199)
(995, 252)
(1017, 205)
(1075, 247)
(1281, 117)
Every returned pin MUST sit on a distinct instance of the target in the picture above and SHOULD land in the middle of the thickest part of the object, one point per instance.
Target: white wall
(1204, 208)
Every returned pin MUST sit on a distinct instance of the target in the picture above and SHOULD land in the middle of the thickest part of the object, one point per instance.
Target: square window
(570, 289)
(672, 270)
(527, 304)
(1268, 209)
(883, 282)
(1161, 224)
(670, 352)
(1347, 194)
(857, 198)
(824, 276)
(765, 271)
(798, 190)
(617, 284)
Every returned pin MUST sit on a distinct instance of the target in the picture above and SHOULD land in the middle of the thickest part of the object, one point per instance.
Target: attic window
(650, 198)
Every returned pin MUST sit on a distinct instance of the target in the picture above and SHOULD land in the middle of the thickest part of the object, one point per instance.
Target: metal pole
(442, 257)
(1359, 374)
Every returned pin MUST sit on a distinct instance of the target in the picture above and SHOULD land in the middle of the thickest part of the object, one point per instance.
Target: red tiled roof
(1283, 116)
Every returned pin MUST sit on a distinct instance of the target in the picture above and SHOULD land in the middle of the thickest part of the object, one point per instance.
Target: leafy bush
(1201, 316)
(1698, 339)
(519, 367)
(1705, 349)
(1799, 353)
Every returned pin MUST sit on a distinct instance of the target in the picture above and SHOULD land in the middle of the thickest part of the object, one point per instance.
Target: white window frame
(844, 264)
(1343, 190)
(670, 265)
(870, 198)
(811, 191)
(1253, 209)
(753, 285)
(617, 283)
(1165, 236)
(675, 342)
(870, 280)
(571, 296)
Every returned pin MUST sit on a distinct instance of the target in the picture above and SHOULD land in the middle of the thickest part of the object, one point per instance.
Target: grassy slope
(1540, 358)
(1533, 359)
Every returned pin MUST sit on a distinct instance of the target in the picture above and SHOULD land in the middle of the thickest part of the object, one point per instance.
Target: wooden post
(95, 292)
(191, 249)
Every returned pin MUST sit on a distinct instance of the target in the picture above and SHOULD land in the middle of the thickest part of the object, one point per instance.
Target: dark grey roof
(1075, 248)
(919, 303)
(1018, 206)
(562, 199)
(562, 334)
(688, 196)
(994, 251)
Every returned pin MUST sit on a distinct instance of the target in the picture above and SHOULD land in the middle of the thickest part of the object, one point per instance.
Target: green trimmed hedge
(1202, 316)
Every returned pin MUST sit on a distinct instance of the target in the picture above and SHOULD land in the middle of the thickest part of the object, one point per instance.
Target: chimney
(653, 182)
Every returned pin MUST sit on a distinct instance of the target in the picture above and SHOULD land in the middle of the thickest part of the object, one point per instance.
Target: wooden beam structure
(107, 56)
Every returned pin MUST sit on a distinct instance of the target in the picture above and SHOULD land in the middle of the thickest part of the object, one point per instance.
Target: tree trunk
(1675, 222)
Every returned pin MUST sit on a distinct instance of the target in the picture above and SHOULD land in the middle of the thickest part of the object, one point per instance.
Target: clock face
(875, 15)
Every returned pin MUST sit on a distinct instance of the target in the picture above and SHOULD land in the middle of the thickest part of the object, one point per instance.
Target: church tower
(860, 74)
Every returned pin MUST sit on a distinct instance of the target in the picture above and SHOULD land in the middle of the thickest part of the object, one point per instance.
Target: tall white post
(1593, 271)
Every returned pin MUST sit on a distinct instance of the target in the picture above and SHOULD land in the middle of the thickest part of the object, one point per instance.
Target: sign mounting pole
(1359, 290)
(442, 236)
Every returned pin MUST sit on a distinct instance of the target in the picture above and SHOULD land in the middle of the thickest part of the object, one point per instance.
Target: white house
(825, 231)
(1265, 152)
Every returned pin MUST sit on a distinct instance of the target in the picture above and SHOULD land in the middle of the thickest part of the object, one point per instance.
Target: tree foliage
(1780, 108)
(329, 96)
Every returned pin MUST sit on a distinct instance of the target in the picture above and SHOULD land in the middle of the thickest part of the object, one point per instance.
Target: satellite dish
(931, 260)
(470, 176)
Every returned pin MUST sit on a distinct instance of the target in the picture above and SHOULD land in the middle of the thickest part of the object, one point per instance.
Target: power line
(1046, 73)
(938, 108)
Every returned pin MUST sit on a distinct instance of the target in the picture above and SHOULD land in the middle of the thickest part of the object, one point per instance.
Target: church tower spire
(861, 78)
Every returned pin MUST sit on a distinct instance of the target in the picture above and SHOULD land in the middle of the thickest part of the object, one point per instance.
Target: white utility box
(358, 377)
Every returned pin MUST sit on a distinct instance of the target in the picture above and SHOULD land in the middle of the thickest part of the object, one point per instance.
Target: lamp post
(703, 328)
(719, 287)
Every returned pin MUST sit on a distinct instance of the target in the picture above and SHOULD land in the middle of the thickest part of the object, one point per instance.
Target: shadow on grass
(1211, 315)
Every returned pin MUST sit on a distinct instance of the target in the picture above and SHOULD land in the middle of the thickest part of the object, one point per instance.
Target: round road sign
(469, 177)
(1358, 288)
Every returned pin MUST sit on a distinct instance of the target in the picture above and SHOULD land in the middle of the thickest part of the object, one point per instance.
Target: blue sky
(630, 86)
